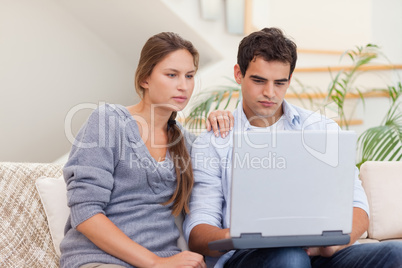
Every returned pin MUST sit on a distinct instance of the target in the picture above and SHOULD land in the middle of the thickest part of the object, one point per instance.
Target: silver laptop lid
(292, 183)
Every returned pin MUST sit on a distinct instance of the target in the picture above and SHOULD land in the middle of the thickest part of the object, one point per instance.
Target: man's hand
(222, 121)
(323, 251)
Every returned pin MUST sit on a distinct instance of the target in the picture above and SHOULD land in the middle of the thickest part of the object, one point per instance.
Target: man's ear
(290, 78)
(237, 74)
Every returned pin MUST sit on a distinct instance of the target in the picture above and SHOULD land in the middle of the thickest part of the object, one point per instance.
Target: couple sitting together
(130, 169)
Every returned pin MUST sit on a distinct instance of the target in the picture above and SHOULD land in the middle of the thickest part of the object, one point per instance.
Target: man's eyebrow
(258, 77)
(282, 80)
(264, 79)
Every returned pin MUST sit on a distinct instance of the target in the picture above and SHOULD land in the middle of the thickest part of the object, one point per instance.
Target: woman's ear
(144, 84)
(237, 74)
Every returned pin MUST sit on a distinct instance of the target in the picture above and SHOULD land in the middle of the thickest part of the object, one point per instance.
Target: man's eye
(280, 83)
(259, 81)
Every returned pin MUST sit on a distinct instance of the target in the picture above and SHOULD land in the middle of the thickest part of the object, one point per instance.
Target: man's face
(263, 88)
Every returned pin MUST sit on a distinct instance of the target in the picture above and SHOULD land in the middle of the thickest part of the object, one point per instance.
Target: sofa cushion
(25, 240)
(53, 194)
(383, 185)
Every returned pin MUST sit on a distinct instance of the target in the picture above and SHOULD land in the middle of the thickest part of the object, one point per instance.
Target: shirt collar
(291, 116)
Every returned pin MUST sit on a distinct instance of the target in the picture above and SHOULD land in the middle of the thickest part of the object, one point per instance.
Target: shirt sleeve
(207, 196)
(89, 171)
(360, 197)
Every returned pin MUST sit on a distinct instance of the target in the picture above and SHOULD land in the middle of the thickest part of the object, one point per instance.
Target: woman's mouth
(180, 99)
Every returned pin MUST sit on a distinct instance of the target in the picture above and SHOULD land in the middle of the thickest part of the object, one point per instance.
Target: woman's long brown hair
(155, 50)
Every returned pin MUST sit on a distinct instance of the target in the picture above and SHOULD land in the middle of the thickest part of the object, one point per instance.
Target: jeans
(269, 257)
(382, 255)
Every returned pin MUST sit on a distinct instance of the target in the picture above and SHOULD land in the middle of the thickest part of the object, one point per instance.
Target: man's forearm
(360, 224)
(202, 234)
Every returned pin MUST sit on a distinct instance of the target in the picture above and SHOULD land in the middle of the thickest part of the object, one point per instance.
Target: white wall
(323, 24)
(57, 54)
(386, 27)
(49, 62)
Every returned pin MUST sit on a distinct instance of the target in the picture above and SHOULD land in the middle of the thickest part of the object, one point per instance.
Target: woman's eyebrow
(177, 71)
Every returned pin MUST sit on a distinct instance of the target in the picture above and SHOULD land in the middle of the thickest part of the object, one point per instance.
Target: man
(265, 62)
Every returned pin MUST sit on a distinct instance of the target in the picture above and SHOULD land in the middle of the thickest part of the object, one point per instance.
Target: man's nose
(269, 90)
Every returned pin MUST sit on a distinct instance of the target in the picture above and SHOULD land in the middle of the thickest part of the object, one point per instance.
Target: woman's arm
(108, 237)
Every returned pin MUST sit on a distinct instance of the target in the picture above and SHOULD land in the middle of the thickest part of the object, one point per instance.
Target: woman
(129, 172)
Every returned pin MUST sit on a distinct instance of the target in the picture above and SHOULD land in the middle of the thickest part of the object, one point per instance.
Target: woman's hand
(220, 121)
(183, 259)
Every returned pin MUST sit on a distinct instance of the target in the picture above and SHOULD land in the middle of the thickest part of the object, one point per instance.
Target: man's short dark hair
(269, 44)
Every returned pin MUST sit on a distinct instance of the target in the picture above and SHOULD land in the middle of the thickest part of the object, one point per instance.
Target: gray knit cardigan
(111, 171)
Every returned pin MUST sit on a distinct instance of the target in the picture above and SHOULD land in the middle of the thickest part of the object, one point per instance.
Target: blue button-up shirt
(211, 156)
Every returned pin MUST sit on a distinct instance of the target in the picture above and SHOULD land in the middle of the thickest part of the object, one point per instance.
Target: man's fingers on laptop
(322, 251)
(328, 251)
(312, 251)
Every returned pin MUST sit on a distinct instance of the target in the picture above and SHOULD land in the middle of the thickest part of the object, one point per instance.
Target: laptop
(291, 188)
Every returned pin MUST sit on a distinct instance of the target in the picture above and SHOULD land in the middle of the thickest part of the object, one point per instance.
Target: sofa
(33, 210)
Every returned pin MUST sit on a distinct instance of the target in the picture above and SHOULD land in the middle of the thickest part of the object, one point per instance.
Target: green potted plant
(384, 142)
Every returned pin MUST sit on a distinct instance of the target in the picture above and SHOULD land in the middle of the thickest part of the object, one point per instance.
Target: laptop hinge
(258, 235)
(332, 233)
(251, 235)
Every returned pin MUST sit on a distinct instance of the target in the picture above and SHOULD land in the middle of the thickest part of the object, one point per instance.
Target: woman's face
(171, 83)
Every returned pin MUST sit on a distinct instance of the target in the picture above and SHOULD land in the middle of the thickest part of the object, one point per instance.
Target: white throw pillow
(53, 194)
(382, 182)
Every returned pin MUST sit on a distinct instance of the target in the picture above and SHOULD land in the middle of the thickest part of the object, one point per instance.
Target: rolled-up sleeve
(207, 197)
(360, 197)
(89, 171)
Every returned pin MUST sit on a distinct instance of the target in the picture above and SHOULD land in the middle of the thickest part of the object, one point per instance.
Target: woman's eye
(171, 75)
(189, 76)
